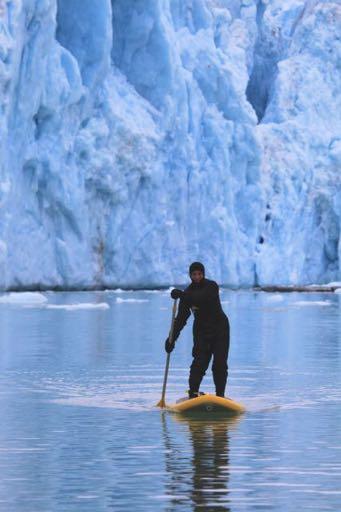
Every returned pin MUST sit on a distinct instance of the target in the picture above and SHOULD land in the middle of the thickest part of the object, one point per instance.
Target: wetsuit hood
(196, 265)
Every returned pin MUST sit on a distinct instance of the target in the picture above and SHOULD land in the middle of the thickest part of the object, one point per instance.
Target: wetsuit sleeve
(184, 313)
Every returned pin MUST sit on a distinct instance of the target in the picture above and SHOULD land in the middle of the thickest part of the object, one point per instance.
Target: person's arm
(181, 318)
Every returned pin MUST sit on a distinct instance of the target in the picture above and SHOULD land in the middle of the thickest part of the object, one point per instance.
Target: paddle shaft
(171, 332)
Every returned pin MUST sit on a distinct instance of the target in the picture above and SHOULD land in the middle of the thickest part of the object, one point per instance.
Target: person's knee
(219, 366)
(200, 364)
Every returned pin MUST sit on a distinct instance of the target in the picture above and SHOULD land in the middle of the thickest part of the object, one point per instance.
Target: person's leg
(220, 349)
(201, 359)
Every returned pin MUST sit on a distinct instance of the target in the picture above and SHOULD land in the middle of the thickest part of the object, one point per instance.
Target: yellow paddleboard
(208, 404)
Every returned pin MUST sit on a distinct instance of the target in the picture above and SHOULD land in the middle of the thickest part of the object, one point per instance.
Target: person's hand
(169, 347)
(176, 294)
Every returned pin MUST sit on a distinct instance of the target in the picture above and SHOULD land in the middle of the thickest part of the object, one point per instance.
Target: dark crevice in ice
(263, 71)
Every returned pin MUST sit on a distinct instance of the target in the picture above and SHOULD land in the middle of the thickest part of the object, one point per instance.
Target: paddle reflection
(199, 477)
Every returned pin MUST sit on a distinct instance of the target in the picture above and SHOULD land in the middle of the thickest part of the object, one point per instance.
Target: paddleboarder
(211, 330)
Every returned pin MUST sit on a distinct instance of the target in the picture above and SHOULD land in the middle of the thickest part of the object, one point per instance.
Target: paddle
(162, 402)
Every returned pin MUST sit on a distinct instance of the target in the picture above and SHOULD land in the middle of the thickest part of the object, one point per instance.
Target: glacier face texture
(139, 135)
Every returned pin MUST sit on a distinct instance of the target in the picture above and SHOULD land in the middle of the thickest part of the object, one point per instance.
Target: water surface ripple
(79, 429)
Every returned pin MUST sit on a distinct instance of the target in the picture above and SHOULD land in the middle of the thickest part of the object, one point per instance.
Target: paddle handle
(170, 337)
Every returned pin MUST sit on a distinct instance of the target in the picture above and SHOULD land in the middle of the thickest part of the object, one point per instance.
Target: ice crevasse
(139, 135)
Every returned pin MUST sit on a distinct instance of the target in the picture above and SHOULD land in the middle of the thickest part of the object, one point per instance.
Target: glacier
(139, 135)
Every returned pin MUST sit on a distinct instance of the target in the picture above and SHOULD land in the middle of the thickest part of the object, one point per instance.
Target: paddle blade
(161, 404)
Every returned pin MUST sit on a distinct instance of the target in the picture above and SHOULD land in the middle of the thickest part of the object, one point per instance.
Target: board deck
(208, 404)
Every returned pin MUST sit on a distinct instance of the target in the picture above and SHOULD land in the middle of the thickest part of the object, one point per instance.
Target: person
(211, 330)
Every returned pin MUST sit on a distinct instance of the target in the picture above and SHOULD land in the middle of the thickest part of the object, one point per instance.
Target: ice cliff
(139, 135)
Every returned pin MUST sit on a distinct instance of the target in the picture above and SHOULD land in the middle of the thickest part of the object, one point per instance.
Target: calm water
(79, 430)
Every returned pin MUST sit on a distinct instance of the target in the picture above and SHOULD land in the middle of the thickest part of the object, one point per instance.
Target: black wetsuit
(211, 333)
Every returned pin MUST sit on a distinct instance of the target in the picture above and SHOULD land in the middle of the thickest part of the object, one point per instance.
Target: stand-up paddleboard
(206, 404)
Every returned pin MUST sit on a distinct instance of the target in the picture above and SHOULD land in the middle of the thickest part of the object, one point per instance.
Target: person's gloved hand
(169, 347)
(176, 294)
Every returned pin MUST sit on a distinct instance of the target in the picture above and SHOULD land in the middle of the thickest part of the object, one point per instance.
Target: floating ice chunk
(327, 286)
(120, 290)
(119, 300)
(117, 290)
(73, 307)
(23, 298)
(275, 298)
(154, 291)
(168, 290)
(312, 303)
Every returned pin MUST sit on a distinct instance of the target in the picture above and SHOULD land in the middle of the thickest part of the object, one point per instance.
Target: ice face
(138, 136)
(84, 28)
(299, 134)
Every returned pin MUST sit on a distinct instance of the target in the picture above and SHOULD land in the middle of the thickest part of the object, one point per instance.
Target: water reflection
(79, 430)
(199, 476)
